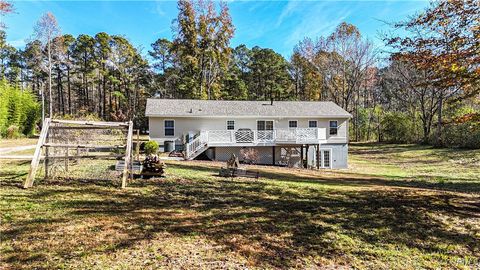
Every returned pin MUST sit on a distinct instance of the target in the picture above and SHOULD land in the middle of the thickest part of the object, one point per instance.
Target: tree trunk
(50, 79)
(439, 124)
(69, 91)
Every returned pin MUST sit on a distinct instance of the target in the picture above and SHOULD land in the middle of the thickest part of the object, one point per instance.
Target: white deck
(247, 137)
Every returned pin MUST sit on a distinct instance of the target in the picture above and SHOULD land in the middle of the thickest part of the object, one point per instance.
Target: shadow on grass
(282, 225)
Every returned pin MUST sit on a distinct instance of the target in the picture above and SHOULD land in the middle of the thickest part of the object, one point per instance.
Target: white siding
(183, 125)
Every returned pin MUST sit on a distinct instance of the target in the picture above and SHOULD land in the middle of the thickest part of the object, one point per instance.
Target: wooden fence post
(66, 159)
(36, 156)
(137, 150)
(46, 162)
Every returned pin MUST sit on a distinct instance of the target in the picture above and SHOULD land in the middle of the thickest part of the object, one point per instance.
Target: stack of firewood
(153, 165)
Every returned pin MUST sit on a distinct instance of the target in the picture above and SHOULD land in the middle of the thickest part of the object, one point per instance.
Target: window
(333, 127)
(230, 125)
(169, 127)
(312, 124)
(264, 125)
(292, 124)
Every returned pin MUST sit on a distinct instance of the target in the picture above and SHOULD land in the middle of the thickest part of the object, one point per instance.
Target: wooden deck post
(273, 155)
(307, 147)
(36, 156)
(301, 156)
(318, 156)
(128, 154)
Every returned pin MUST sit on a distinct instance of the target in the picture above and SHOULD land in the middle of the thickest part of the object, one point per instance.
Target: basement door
(326, 158)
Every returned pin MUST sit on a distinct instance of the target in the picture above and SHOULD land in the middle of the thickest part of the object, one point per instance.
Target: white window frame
(265, 120)
(316, 123)
(233, 124)
(322, 159)
(296, 125)
(330, 128)
(165, 128)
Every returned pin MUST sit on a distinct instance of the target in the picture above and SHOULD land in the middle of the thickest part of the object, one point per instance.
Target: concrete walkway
(17, 157)
(16, 149)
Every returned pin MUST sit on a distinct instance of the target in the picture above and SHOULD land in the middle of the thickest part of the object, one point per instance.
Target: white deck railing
(292, 135)
(254, 137)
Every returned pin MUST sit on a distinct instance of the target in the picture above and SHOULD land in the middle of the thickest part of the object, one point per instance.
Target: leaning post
(128, 154)
(36, 156)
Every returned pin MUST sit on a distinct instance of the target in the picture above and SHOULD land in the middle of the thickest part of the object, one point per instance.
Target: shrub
(397, 127)
(151, 147)
(12, 132)
(462, 131)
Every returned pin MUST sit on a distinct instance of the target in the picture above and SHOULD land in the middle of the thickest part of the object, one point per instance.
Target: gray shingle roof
(195, 108)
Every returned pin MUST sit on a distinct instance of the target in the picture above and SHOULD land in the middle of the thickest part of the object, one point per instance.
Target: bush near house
(151, 147)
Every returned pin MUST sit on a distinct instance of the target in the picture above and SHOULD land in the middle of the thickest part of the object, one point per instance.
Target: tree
(268, 76)
(83, 54)
(162, 55)
(6, 54)
(46, 30)
(68, 44)
(443, 42)
(201, 48)
(408, 90)
(335, 68)
(102, 53)
(6, 7)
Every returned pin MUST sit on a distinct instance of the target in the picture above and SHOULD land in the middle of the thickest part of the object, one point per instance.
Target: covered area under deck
(293, 147)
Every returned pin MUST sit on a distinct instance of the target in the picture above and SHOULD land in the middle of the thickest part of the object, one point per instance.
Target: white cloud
(18, 43)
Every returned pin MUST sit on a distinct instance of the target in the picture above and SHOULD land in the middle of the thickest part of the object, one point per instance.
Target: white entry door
(326, 158)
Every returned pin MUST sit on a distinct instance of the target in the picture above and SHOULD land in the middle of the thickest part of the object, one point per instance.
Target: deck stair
(197, 146)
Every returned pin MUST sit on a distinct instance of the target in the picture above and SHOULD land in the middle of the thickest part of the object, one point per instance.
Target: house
(288, 133)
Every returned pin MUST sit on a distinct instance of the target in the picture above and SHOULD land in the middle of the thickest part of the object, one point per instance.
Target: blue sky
(274, 24)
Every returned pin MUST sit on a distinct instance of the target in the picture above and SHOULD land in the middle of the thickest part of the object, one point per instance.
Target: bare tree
(343, 62)
(46, 30)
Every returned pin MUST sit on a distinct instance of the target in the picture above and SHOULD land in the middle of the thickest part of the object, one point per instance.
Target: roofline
(236, 100)
(249, 116)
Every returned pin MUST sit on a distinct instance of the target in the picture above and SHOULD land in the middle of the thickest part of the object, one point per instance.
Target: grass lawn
(397, 207)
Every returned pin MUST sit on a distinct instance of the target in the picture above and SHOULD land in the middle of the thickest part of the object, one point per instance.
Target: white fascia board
(246, 116)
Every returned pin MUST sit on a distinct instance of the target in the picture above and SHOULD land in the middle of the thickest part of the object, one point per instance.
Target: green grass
(397, 207)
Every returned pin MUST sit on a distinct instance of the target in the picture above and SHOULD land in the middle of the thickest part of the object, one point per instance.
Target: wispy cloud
(159, 8)
(318, 20)
(287, 11)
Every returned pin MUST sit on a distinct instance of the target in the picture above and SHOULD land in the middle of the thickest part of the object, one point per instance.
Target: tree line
(426, 89)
